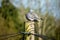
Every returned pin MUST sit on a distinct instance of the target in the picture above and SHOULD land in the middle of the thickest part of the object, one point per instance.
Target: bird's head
(31, 11)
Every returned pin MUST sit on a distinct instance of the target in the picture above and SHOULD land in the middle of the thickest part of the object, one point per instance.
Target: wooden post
(33, 27)
(29, 27)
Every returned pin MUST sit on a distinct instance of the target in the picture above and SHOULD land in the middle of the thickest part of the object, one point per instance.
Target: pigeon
(31, 16)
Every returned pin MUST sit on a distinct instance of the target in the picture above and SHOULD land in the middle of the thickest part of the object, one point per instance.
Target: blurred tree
(57, 31)
(49, 26)
(9, 20)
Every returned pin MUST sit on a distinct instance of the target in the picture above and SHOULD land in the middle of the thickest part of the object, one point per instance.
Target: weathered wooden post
(29, 27)
(33, 27)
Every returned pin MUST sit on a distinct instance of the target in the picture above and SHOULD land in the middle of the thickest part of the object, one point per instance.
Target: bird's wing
(30, 16)
(35, 16)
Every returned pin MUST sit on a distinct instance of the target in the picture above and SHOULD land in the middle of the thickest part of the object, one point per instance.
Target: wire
(25, 33)
(9, 35)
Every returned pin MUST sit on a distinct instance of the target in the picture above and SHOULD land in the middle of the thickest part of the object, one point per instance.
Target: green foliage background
(12, 21)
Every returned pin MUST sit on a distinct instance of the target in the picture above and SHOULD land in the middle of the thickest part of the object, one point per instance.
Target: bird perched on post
(31, 16)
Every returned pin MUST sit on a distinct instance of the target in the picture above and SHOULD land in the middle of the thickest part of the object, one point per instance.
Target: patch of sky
(25, 3)
(43, 6)
(55, 8)
(34, 5)
(0, 3)
(16, 3)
